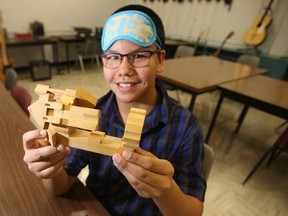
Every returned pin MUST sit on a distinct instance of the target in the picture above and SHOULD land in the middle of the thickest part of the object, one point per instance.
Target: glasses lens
(112, 60)
(140, 59)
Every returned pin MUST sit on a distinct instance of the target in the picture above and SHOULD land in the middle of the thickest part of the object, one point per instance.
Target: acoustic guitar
(216, 54)
(256, 34)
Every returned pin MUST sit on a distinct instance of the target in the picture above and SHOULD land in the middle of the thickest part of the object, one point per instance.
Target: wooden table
(201, 74)
(21, 192)
(261, 92)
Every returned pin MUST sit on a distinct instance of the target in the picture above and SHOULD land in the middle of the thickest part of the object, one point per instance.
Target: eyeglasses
(136, 59)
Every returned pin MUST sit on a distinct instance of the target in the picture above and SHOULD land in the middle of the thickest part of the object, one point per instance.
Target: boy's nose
(125, 68)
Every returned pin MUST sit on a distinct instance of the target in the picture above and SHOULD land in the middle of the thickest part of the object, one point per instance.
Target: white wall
(58, 16)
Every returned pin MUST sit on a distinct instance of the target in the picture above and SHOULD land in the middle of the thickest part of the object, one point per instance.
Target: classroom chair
(208, 160)
(22, 97)
(91, 50)
(10, 78)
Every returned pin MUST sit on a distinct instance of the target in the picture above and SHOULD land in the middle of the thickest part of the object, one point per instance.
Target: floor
(235, 154)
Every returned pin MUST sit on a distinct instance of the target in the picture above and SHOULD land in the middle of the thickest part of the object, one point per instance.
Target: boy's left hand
(150, 176)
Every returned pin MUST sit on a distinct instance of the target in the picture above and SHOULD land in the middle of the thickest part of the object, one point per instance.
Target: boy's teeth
(125, 85)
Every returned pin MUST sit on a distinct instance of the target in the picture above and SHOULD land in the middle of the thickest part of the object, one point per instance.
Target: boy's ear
(161, 57)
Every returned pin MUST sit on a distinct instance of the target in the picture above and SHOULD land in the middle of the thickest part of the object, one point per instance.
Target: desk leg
(192, 102)
(241, 118)
(67, 56)
(214, 118)
(56, 56)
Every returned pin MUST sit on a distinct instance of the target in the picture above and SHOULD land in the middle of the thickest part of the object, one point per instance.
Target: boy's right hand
(43, 159)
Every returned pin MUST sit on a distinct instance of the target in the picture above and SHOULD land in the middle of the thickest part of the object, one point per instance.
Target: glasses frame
(130, 60)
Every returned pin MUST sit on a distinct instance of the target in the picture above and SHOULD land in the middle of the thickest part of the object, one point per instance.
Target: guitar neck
(265, 13)
(216, 54)
(198, 41)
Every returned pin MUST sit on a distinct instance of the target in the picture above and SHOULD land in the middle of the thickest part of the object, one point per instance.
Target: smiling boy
(162, 177)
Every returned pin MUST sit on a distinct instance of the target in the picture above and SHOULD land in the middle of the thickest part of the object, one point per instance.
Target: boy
(163, 176)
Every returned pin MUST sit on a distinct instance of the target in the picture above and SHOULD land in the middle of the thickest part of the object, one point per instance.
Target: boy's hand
(43, 159)
(150, 176)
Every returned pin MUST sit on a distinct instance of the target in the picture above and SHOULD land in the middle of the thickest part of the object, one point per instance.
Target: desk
(21, 192)
(12, 43)
(67, 39)
(201, 74)
(261, 92)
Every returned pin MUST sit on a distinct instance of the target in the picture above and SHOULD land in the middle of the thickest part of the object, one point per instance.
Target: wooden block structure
(70, 119)
(134, 126)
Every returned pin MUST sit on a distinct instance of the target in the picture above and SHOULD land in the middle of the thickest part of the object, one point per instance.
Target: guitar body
(257, 33)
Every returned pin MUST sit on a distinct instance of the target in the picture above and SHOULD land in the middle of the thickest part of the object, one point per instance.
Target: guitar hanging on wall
(201, 34)
(256, 34)
(216, 54)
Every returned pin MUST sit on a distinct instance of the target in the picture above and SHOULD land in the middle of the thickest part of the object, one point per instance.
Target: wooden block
(133, 128)
(82, 117)
(139, 111)
(98, 133)
(52, 119)
(97, 136)
(37, 111)
(41, 89)
(53, 105)
(70, 93)
(85, 97)
(66, 100)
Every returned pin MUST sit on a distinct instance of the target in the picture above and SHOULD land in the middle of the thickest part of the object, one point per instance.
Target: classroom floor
(235, 154)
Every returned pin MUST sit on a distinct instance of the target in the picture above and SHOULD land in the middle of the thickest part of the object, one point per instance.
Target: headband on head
(131, 25)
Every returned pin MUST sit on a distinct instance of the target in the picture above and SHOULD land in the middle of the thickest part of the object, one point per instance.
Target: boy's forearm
(59, 184)
(175, 202)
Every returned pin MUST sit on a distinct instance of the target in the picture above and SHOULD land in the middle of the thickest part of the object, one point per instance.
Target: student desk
(201, 74)
(261, 92)
(17, 43)
(21, 192)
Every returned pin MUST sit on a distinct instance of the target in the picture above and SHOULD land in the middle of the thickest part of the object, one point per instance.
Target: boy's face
(130, 84)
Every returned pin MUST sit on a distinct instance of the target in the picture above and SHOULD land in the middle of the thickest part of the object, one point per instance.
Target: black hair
(154, 16)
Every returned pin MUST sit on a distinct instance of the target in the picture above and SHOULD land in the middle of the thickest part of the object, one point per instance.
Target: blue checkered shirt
(170, 132)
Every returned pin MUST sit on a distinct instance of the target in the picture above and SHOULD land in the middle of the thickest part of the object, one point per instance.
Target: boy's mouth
(126, 85)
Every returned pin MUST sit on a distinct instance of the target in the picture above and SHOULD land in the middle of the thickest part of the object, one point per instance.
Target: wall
(57, 16)
(187, 19)
(181, 20)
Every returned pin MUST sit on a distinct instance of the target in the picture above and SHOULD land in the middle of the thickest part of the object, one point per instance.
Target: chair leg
(276, 152)
(251, 173)
(97, 61)
(281, 125)
(81, 64)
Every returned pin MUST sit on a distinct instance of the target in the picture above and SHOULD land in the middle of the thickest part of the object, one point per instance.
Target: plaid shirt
(170, 132)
